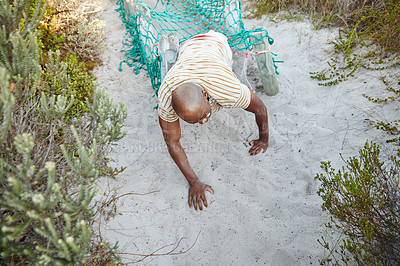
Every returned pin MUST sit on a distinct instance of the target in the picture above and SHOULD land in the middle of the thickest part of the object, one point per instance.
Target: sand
(265, 210)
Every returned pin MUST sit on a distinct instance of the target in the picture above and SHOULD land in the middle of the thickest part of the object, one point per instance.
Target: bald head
(188, 101)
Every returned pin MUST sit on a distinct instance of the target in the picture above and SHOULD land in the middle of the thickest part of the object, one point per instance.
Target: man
(199, 84)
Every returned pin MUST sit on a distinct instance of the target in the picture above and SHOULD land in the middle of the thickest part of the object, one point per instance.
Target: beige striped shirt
(206, 62)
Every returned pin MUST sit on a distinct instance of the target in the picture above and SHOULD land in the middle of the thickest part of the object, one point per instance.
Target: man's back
(204, 60)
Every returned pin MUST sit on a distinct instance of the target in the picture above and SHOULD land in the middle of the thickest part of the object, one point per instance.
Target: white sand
(265, 210)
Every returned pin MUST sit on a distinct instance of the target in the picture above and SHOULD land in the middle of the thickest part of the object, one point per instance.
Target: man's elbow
(256, 106)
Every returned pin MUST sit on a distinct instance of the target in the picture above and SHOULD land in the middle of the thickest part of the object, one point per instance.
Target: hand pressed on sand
(197, 195)
(257, 146)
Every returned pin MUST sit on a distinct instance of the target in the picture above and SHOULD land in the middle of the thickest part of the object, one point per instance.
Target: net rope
(183, 19)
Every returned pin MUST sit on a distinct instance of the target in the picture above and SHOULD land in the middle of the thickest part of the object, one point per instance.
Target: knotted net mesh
(183, 19)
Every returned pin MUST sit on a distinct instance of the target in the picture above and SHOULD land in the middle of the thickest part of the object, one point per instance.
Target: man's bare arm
(172, 134)
(261, 115)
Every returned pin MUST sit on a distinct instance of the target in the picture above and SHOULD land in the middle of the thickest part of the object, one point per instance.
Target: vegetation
(362, 198)
(364, 19)
(77, 81)
(70, 32)
(369, 35)
(56, 129)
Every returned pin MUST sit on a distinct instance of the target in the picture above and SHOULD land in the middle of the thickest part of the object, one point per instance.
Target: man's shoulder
(165, 88)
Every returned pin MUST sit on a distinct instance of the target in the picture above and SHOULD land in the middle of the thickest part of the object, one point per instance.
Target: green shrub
(81, 84)
(18, 39)
(49, 161)
(364, 202)
(73, 27)
(259, 8)
(78, 82)
(373, 20)
(382, 25)
(46, 180)
(71, 33)
(48, 41)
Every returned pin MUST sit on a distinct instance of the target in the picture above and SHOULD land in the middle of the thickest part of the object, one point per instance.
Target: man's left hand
(257, 146)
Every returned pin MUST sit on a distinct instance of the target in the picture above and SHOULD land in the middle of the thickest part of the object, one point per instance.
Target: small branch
(170, 253)
(333, 249)
(126, 194)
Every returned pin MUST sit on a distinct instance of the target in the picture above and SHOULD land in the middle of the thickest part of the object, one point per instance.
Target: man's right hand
(197, 195)
(172, 135)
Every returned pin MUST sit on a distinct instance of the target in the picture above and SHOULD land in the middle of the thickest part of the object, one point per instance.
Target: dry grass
(375, 19)
(345, 8)
(79, 24)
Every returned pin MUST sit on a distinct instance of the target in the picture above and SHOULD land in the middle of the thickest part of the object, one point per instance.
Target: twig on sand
(154, 253)
(107, 203)
(126, 194)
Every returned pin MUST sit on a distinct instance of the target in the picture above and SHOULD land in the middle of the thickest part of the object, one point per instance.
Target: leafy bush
(17, 40)
(363, 199)
(48, 161)
(382, 25)
(74, 28)
(71, 78)
(368, 19)
(71, 33)
(47, 179)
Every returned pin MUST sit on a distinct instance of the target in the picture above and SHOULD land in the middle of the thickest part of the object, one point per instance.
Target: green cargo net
(183, 19)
